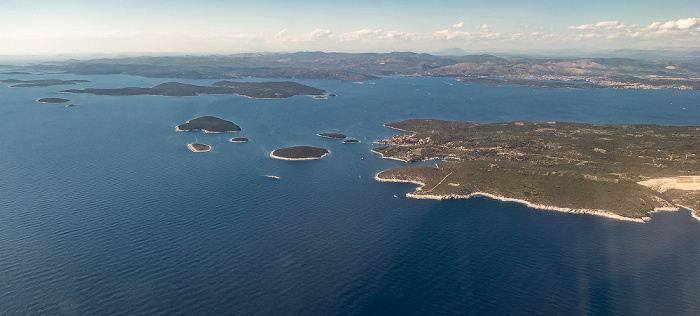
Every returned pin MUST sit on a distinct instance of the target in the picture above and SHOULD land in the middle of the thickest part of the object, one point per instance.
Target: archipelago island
(52, 100)
(16, 83)
(620, 171)
(332, 135)
(255, 90)
(208, 124)
(198, 148)
(299, 153)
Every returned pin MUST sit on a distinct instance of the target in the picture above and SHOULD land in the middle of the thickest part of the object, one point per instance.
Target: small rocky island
(332, 135)
(621, 171)
(299, 153)
(239, 140)
(198, 148)
(350, 141)
(52, 100)
(208, 124)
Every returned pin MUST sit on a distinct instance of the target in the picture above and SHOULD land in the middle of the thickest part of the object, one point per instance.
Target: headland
(623, 170)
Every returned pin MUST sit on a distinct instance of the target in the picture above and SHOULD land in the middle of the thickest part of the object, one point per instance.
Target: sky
(38, 27)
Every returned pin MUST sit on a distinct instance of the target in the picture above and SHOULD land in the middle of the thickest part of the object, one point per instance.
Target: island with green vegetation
(256, 90)
(332, 135)
(350, 141)
(270, 89)
(622, 171)
(299, 153)
(208, 124)
(16, 83)
(52, 100)
(239, 140)
(198, 148)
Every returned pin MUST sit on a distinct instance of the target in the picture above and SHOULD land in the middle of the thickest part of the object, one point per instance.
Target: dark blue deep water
(104, 210)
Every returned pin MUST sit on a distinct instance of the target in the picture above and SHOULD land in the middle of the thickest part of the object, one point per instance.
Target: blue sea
(105, 211)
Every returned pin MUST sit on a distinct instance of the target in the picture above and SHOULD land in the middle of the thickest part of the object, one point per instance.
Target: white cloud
(369, 35)
(319, 33)
(281, 34)
(603, 25)
(458, 25)
(679, 30)
(451, 35)
(682, 24)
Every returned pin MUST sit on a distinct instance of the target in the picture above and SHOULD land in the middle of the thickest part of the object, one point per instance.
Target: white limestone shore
(177, 129)
(603, 213)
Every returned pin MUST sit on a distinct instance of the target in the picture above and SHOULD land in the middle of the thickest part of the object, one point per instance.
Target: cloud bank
(683, 32)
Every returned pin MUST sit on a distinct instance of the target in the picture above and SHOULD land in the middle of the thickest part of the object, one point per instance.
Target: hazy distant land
(592, 72)
(41, 83)
(532, 83)
(618, 170)
(257, 90)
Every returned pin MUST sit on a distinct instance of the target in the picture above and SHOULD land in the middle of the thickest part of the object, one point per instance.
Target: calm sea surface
(104, 210)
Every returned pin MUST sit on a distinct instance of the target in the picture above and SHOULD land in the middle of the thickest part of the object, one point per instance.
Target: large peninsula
(256, 90)
(623, 171)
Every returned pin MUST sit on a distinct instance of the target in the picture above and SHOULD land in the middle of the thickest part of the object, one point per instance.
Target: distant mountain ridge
(615, 72)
